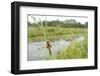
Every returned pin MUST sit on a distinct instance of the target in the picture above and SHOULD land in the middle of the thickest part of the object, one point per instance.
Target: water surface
(38, 51)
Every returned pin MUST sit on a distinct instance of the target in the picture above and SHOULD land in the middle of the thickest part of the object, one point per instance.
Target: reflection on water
(38, 50)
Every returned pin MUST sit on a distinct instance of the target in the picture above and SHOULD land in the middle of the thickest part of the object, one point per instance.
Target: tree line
(65, 23)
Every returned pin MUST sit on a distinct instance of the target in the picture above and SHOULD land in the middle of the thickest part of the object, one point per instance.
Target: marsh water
(38, 51)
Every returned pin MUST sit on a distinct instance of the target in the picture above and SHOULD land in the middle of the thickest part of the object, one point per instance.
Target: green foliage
(55, 29)
(36, 34)
(67, 30)
(66, 23)
(75, 50)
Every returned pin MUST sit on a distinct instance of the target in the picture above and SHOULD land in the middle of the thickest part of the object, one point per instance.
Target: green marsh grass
(75, 50)
(52, 33)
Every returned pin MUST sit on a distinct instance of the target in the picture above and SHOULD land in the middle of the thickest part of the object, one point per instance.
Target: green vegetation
(75, 50)
(57, 23)
(55, 29)
(53, 33)
(67, 30)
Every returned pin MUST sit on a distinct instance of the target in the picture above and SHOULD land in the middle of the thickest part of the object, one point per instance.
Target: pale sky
(32, 18)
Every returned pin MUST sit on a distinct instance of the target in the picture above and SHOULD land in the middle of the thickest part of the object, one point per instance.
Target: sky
(34, 18)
